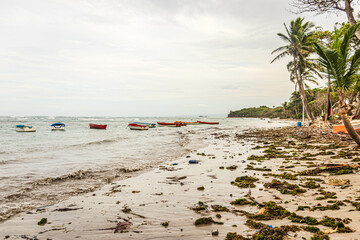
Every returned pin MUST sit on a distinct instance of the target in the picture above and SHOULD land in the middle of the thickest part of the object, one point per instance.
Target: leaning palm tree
(299, 46)
(342, 64)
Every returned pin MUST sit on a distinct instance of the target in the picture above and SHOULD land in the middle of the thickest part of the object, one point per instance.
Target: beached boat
(134, 126)
(174, 124)
(187, 123)
(58, 126)
(97, 126)
(213, 123)
(24, 128)
(150, 125)
(342, 129)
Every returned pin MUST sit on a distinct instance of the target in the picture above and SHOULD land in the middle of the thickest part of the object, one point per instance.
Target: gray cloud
(153, 57)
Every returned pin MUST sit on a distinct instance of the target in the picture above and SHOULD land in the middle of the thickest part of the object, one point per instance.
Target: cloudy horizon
(142, 58)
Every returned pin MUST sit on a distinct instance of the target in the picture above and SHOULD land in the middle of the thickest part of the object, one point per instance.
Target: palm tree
(342, 65)
(299, 46)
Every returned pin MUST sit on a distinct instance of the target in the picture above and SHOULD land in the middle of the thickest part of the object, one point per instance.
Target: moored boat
(174, 124)
(24, 128)
(58, 126)
(97, 126)
(342, 129)
(213, 123)
(134, 126)
(150, 125)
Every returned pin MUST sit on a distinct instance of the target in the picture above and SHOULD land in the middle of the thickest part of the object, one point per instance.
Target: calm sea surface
(26, 159)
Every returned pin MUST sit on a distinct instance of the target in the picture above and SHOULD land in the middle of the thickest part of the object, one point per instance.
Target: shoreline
(138, 206)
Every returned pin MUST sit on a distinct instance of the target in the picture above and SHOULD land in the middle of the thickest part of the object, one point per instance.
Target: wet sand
(138, 207)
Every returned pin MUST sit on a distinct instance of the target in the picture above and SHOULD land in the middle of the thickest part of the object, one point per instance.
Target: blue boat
(25, 128)
(150, 125)
(58, 126)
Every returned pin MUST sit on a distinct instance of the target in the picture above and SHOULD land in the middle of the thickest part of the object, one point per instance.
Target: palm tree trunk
(308, 111)
(350, 15)
(343, 113)
(327, 102)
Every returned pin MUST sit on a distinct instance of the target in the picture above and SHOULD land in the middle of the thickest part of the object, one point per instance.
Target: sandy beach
(165, 203)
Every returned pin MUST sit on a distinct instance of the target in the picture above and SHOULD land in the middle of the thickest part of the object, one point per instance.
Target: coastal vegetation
(319, 56)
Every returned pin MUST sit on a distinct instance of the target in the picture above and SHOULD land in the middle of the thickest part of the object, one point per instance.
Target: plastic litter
(193, 162)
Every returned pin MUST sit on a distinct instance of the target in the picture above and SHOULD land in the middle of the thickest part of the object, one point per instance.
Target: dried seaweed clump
(245, 182)
(272, 211)
(284, 187)
(265, 233)
(206, 221)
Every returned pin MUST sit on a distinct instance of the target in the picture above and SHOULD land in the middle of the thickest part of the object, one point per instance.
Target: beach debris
(245, 182)
(53, 229)
(232, 167)
(174, 164)
(165, 224)
(122, 226)
(326, 195)
(219, 208)
(177, 179)
(126, 209)
(200, 206)
(330, 230)
(262, 211)
(215, 233)
(272, 211)
(284, 187)
(42, 222)
(334, 169)
(338, 182)
(206, 221)
(66, 209)
(202, 188)
(265, 232)
(193, 161)
(241, 201)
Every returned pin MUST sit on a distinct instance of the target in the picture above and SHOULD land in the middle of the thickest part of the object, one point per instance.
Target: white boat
(58, 126)
(24, 128)
(134, 126)
(150, 125)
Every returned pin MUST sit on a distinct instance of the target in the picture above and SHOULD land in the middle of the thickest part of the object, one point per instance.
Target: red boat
(97, 126)
(174, 124)
(213, 123)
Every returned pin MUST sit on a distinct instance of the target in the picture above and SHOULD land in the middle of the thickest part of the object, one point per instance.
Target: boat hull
(174, 124)
(211, 123)
(342, 129)
(134, 126)
(62, 128)
(25, 129)
(97, 126)
(150, 125)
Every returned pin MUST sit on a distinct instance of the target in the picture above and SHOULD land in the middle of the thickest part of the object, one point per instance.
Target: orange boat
(342, 129)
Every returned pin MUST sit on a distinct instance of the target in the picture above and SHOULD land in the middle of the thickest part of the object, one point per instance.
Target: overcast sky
(142, 57)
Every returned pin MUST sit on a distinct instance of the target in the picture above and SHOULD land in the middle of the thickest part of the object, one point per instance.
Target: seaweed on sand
(300, 219)
(271, 211)
(285, 187)
(266, 233)
(206, 221)
(326, 195)
(245, 182)
(242, 201)
(311, 185)
(249, 167)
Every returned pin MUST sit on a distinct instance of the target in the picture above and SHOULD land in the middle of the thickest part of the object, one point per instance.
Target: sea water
(46, 166)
